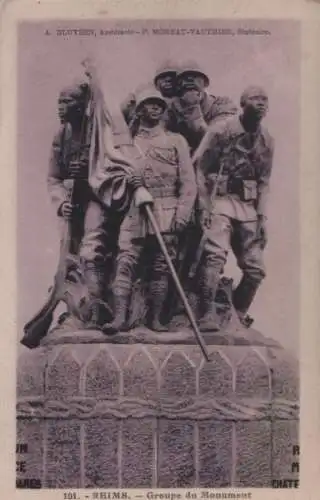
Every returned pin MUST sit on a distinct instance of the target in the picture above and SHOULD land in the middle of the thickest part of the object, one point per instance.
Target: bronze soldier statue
(190, 111)
(70, 193)
(92, 181)
(193, 109)
(94, 215)
(167, 173)
(234, 162)
(93, 234)
(165, 80)
(69, 160)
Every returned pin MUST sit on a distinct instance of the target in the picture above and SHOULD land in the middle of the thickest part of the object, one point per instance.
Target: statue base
(73, 331)
(100, 415)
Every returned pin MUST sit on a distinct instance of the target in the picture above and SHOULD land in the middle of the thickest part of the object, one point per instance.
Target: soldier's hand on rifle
(78, 169)
(262, 230)
(178, 225)
(66, 210)
(142, 197)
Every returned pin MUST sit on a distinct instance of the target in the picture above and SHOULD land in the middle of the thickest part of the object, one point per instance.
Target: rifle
(37, 328)
(100, 119)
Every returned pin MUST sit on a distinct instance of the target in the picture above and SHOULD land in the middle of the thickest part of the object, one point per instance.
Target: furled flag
(111, 157)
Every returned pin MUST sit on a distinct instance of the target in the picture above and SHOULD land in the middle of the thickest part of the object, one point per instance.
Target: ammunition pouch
(250, 191)
(246, 189)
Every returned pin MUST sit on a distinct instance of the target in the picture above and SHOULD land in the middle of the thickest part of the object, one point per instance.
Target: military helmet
(149, 93)
(191, 67)
(166, 68)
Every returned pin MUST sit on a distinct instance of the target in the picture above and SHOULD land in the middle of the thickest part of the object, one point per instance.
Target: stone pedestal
(142, 416)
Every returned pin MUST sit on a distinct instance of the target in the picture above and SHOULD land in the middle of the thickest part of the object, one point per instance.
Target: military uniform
(192, 119)
(128, 106)
(168, 175)
(166, 168)
(192, 122)
(101, 198)
(90, 227)
(66, 148)
(111, 194)
(240, 163)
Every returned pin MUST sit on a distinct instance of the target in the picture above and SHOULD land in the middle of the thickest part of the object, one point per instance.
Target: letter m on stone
(295, 467)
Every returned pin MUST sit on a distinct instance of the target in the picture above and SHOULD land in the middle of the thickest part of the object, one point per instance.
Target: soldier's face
(67, 107)
(256, 104)
(152, 110)
(193, 80)
(166, 84)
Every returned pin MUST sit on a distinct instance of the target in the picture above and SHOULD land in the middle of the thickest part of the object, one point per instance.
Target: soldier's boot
(242, 299)
(121, 303)
(121, 294)
(158, 294)
(209, 281)
(98, 311)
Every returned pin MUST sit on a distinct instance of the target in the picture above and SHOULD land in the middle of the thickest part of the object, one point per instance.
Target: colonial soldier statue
(92, 182)
(167, 173)
(233, 164)
(193, 109)
(165, 80)
(69, 161)
(95, 219)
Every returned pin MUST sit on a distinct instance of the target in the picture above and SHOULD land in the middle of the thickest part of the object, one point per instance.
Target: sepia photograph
(158, 254)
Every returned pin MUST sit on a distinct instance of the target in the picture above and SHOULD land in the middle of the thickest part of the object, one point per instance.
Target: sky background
(47, 62)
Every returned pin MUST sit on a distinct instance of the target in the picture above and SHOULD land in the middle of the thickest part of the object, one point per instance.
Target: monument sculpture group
(154, 376)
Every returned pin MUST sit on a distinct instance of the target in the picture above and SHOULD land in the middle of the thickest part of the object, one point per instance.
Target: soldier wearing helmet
(166, 171)
(193, 109)
(233, 166)
(165, 79)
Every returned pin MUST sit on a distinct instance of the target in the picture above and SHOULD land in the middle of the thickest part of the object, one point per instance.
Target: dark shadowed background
(46, 62)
